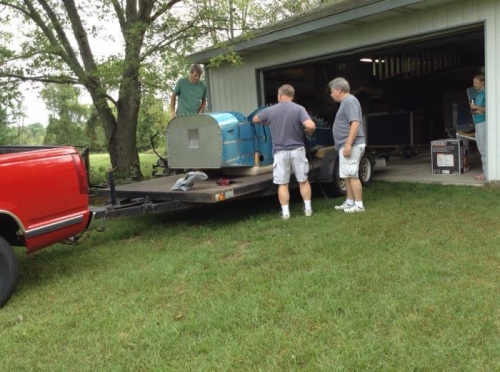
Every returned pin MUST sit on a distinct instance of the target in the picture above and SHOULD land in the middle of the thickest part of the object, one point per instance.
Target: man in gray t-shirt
(287, 122)
(349, 138)
(349, 111)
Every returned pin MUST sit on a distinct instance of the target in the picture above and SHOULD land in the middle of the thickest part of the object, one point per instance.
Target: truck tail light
(82, 174)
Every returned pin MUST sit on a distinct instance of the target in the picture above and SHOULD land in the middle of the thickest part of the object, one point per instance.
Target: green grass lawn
(410, 285)
(100, 164)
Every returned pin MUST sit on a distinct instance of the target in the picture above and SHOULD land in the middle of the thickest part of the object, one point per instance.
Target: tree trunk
(122, 146)
(121, 133)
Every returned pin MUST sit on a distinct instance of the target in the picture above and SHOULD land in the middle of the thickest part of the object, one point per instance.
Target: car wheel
(8, 271)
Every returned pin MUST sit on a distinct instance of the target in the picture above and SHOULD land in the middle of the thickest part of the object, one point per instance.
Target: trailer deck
(203, 191)
(156, 196)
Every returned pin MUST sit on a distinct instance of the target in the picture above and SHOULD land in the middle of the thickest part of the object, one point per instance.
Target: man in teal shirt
(478, 107)
(190, 94)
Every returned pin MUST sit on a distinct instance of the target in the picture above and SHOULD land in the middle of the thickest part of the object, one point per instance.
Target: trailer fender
(327, 166)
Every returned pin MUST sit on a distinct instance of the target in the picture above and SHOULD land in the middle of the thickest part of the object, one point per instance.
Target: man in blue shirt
(478, 107)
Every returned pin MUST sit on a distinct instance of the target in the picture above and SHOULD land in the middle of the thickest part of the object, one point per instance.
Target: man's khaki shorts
(286, 161)
(349, 167)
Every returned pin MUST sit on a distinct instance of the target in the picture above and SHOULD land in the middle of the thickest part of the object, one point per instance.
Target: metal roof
(328, 18)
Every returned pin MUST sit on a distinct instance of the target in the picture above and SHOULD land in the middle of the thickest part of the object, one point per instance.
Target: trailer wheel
(366, 166)
(8, 271)
(407, 152)
(337, 186)
(338, 183)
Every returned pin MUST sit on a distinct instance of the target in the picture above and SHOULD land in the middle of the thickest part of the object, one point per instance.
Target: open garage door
(412, 91)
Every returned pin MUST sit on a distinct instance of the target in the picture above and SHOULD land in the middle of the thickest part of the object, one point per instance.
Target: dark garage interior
(411, 91)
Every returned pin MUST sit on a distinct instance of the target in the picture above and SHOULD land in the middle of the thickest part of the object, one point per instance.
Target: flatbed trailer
(224, 145)
(156, 196)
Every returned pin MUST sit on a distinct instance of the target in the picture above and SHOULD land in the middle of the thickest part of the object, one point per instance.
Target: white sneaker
(354, 209)
(308, 212)
(284, 216)
(343, 206)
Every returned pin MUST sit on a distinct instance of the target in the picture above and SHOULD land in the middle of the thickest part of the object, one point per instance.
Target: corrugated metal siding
(235, 88)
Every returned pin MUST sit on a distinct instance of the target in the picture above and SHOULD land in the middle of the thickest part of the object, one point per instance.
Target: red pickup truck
(43, 200)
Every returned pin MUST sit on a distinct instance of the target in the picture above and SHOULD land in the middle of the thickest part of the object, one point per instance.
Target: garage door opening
(412, 92)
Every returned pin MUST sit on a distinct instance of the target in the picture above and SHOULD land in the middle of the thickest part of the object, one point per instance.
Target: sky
(34, 107)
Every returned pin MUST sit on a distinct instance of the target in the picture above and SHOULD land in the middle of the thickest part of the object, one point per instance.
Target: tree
(7, 134)
(152, 120)
(35, 133)
(67, 116)
(94, 132)
(9, 92)
(155, 36)
(58, 49)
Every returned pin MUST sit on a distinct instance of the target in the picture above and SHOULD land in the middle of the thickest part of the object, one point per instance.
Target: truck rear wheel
(8, 271)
